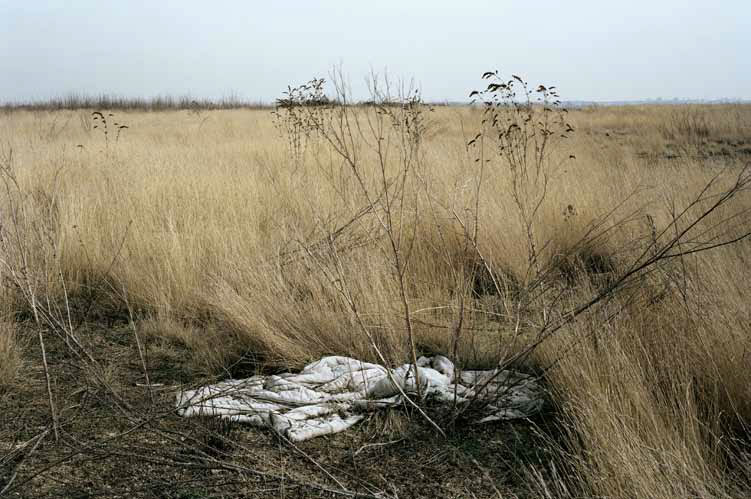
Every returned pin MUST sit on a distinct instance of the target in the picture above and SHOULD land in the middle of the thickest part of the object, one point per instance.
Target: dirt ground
(118, 439)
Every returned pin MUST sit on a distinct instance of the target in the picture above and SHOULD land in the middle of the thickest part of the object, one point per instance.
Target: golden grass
(10, 354)
(648, 407)
(201, 222)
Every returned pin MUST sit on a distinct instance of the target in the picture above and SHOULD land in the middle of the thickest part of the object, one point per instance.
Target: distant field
(231, 242)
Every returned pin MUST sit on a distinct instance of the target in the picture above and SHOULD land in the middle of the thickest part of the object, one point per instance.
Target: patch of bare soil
(119, 438)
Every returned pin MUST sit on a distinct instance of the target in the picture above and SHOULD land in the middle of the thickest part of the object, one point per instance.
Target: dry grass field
(192, 245)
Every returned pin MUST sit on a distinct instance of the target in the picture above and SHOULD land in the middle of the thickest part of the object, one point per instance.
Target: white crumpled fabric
(334, 393)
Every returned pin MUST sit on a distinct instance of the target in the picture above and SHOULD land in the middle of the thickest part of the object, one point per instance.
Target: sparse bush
(687, 128)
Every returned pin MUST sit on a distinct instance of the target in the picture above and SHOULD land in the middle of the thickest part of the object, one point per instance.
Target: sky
(597, 50)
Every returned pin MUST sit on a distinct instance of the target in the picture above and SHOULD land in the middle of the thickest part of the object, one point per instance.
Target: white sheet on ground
(334, 393)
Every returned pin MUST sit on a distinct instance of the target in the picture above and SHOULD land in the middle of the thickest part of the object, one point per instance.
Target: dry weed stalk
(393, 134)
(522, 131)
(23, 272)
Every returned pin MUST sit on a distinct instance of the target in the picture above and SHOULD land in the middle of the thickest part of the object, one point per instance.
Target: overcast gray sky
(590, 49)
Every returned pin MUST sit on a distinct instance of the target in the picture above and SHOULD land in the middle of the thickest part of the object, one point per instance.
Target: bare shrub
(688, 128)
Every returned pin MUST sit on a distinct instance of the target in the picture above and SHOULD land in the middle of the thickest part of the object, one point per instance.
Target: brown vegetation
(10, 354)
(250, 242)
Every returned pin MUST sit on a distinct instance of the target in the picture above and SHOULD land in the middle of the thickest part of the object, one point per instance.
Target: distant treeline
(160, 103)
(169, 103)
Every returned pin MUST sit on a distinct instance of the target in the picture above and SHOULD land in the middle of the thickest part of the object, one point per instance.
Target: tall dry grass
(658, 406)
(219, 240)
(11, 360)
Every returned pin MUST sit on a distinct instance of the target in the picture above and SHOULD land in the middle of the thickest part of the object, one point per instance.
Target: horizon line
(188, 102)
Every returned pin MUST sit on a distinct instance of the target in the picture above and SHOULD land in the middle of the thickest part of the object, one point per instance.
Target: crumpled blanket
(334, 393)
